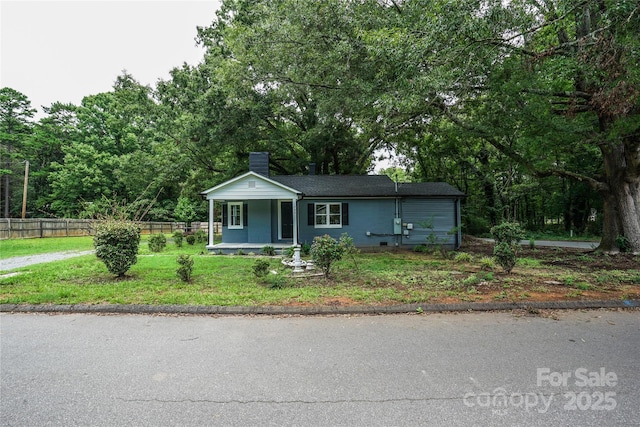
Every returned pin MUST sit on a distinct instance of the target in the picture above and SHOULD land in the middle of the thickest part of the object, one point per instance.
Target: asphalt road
(439, 369)
(575, 244)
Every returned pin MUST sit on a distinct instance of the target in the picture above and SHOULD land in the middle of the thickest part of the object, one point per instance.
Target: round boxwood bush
(185, 267)
(178, 236)
(157, 242)
(116, 244)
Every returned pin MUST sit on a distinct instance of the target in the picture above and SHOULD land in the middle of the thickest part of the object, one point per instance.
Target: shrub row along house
(288, 210)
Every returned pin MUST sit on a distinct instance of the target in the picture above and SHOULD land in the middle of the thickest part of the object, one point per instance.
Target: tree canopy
(530, 107)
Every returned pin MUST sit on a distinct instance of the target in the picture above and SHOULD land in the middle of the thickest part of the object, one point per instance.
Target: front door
(286, 220)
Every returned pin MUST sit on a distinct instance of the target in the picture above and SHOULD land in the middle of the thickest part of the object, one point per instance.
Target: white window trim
(328, 206)
(229, 216)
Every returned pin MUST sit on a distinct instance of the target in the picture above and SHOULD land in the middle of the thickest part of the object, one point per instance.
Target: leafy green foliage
(15, 127)
(157, 242)
(622, 242)
(519, 104)
(185, 210)
(508, 232)
(116, 244)
(325, 251)
(191, 239)
(185, 267)
(268, 250)
(505, 255)
(260, 268)
(346, 242)
(201, 236)
(178, 237)
(508, 236)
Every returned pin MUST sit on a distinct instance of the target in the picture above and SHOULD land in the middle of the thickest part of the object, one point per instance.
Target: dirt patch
(542, 274)
(558, 274)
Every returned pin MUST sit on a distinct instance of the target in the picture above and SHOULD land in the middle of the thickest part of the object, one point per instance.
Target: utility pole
(7, 193)
(24, 191)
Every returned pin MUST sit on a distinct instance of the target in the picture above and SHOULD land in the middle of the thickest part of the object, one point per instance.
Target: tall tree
(552, 86)
(113, 135)
(279, 112)
(46, 147)
(15, 126)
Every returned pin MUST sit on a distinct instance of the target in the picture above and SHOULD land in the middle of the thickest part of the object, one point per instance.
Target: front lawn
(374, 279)
(24, 247)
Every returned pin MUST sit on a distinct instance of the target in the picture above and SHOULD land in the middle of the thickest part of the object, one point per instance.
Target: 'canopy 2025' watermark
(587, 391)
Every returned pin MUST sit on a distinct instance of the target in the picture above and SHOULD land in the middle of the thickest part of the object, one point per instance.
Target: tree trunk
(621, 196)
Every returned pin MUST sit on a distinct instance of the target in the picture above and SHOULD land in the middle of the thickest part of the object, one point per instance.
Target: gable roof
(250, 185)
(363, 186)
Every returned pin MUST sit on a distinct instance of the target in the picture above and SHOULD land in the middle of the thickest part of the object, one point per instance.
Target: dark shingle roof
(363, 186)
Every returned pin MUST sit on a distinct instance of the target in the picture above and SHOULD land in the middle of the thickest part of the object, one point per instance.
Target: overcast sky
(64, 50)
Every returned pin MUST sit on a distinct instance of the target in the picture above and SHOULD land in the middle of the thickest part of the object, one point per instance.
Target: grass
(379, 278)
(25, 247)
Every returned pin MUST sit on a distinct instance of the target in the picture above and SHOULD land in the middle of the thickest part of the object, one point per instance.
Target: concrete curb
(314, 310)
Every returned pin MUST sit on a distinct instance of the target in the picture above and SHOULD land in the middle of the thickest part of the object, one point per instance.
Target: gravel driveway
(25, 261)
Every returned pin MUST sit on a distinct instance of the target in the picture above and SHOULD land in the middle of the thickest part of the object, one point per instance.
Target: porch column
(295, 221)
(211, 222)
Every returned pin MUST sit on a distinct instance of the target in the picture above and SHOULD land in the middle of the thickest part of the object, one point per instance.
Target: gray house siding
(234, 236)
(259, 228)
(428, 217)
(370, 222)
(365, 215)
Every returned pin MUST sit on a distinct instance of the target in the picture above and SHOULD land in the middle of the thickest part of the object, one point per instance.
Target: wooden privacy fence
(11, 228)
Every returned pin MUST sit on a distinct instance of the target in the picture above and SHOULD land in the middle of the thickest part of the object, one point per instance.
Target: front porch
(256, 248)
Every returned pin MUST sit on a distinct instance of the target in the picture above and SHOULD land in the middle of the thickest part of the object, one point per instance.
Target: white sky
(65, 50)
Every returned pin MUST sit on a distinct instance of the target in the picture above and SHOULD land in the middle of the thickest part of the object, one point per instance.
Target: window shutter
(311, 214)
(225, 214)
(245, 210)
(345, 214)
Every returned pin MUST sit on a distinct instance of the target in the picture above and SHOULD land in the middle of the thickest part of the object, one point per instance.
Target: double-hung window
(235, 215)
(328, 215)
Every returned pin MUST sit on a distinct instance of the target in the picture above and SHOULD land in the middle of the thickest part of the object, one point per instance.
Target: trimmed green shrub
(508, 232)
(191, 239)
(268, 250)
(117, 244)
(185, 267)
(201, 236)
(505, 256)
(325, 251)
(508, 236)
(157, 242)
(178, 237)
(261, 268)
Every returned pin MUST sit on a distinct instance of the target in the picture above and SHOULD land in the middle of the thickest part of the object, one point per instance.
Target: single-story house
(290, 210)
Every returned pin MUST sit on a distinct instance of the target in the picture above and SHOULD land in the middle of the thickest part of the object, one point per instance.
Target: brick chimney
(259, 163)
